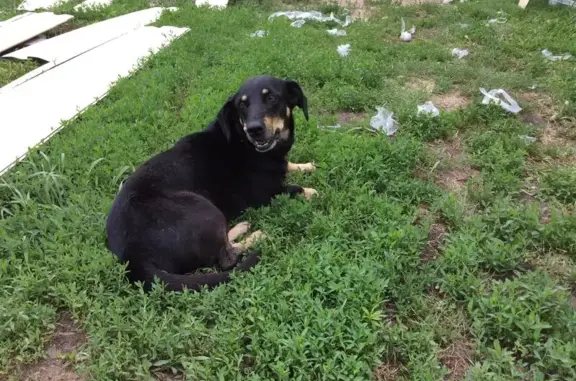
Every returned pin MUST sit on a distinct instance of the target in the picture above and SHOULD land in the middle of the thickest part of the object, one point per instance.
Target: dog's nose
(255, 129)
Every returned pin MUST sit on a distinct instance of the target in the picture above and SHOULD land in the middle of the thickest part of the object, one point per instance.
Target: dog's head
(261, 111)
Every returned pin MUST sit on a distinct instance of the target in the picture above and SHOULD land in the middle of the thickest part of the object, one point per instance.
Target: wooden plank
(13, 33)
(33, 111)
(523, 3)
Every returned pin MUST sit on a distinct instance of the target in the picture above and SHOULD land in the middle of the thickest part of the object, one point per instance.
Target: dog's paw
(309, 193)
(238, 230)
(254, 237)
(306, 167)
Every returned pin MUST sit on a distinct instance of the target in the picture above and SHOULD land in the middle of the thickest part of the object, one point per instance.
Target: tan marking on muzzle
(274, 123)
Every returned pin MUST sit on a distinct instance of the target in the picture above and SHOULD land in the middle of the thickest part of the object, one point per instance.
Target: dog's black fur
(170, 217)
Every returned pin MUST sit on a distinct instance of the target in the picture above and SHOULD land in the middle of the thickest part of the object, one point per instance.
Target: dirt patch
(544, 214)
(557, 265)
(66, 339)
(358, 9)
(455, 179)
(420, 84)
(350, 117)
(388, 371)
(457, 357)
(390, 312)
(450, 101)
(435, 238)
(453, 170)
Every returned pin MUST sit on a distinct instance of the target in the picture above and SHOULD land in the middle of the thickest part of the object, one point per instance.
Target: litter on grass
(406, 35)
(384, 121)
(259, 33)
(343, 50)
(336, 32)
(563, 57)
(300, 18)
(528, 139)
(460, 53)
(568, 3)
(493, 96)
(499, 20)
(428, 108)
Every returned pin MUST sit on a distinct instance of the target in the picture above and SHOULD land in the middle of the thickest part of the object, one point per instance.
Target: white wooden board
(65, 46)
(32, 5)
(33, 111)
(13, 33)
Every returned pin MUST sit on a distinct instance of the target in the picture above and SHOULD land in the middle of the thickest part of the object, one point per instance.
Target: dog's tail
(194, 282)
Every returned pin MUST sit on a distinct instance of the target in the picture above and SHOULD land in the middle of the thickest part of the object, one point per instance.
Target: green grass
(342, 287)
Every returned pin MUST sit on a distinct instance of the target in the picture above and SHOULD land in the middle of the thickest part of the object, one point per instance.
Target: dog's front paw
(306, 167)
(309, 193)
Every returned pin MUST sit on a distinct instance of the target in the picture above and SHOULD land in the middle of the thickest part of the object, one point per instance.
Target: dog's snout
(255, 129)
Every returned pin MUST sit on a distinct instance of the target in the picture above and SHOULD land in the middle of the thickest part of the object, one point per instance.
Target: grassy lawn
(446, 251)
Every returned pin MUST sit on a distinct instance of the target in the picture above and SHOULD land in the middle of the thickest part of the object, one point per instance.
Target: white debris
(460, 53)
(568, 3)
(499, 20)
(92, 5)
(259, 33)
(563, 57)
(336, 32)
(528, 139)
(301, 17)
(428, 108)
(343, 50)
(219, 4)
(507, 104)
(406, 35)
(384, 121)
(335, 127)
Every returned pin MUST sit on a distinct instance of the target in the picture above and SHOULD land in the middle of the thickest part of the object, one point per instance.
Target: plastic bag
(336, 32)
(384, 121)
(343, 50)
(300, 18)
(428, 108)
(548, 54)
(406, 36)
(568, 3)
(259, 33)
(460, 53)
(528, 139)
(509, 104)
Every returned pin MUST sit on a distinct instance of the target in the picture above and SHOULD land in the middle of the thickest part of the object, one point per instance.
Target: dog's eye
(271, 98)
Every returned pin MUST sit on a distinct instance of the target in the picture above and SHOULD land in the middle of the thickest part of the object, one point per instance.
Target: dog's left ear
(297, 97)
(226, 118)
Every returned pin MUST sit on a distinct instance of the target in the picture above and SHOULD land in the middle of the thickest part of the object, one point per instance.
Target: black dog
(170, 217)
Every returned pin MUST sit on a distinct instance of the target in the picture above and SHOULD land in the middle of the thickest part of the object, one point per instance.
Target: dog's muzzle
(263, 144)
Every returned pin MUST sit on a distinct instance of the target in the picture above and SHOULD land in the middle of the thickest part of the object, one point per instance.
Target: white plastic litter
(343, 50)
(508, 104)
(569, 3)
(337, 32)
(548, 54)
(499, 20)
(298, 23)
(384, 121)
(428, 108)
(460, 53)
(302, 16)
(528, 139)
(406, 35)
(259, 33)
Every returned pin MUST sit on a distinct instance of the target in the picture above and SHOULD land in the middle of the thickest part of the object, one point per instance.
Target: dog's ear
(227, 117)
(296, 97)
